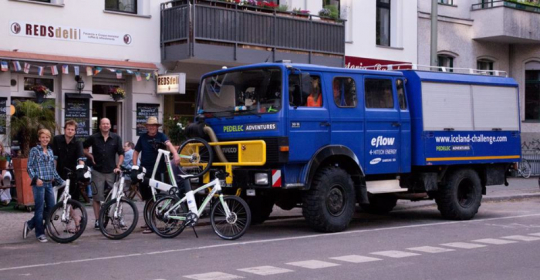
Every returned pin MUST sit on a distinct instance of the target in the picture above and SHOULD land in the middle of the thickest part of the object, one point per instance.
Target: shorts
(99, 180)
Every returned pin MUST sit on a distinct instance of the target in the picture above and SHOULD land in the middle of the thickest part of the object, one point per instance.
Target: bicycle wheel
(196, 157)
(237, 224)
(147, 210)
(66, 230)
(167, 227)
(117, 222)
(525, 168)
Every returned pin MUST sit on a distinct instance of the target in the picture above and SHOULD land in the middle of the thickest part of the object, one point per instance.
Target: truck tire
(460, 197)
(380, 204)
(261, 208)
(328, 206)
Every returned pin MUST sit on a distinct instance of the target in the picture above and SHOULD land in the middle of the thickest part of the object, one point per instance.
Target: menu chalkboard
(3, 109)
(143, 112)
(78, 109)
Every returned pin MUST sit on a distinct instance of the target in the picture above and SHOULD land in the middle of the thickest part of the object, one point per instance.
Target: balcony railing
(510, 4)
(186, 25)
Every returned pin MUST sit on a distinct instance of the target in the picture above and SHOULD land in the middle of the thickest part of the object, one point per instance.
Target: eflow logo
(382, 141)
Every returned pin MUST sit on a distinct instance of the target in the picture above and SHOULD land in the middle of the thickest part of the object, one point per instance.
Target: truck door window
(378, 93)
(305, 92)
(401, 94)
(344, 92)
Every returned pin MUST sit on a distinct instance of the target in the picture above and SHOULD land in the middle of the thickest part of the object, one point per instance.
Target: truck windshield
(242, 92)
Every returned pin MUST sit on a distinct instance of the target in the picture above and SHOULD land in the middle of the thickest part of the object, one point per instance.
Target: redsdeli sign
(172, 83)
(64, 33)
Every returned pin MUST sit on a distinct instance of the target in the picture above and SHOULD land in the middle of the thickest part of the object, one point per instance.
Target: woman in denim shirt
(42, 170)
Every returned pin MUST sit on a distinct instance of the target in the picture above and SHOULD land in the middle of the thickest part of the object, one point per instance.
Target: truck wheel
(380, 204)
(461, 196)
(261, 208)
(329, 204)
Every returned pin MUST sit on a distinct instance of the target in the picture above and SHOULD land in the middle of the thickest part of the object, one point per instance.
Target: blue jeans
(44, 202)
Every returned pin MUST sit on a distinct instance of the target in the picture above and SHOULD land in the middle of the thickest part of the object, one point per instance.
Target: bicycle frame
(158, 185)
(216, 183)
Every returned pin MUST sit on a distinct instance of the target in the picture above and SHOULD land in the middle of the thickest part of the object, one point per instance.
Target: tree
(28, 119)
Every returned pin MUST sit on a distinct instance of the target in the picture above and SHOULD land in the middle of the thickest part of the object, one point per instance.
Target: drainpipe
(434, 17)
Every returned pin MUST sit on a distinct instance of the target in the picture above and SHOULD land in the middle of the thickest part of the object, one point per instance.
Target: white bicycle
(230, 216)
(67, 220)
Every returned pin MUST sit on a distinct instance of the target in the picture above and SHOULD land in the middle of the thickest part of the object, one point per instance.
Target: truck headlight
(261, 179)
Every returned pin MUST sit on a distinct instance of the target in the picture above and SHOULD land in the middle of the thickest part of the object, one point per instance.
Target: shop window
(379, 93)
(383, 23)
(532, 95)
(29, 83)
(344, 92)
(125, 6)
(446, 63)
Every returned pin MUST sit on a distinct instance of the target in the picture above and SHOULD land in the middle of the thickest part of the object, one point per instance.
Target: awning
(83, 61)
(77, 95)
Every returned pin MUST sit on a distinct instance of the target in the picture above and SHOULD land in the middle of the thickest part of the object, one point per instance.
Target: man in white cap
(148, 145)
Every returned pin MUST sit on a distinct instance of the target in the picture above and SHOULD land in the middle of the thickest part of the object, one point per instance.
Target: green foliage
(28, 119)
(283, 8)
(174, 128)
(334, 13)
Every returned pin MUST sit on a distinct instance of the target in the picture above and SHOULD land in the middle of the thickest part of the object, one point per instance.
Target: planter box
(25, 196)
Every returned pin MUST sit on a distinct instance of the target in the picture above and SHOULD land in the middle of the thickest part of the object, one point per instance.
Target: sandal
(145, 227)
(147, 231)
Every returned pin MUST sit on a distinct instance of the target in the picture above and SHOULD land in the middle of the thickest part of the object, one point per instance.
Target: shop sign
(172, 83)
(374, 64)
(69, 33)
(78, 109)
(143, 112)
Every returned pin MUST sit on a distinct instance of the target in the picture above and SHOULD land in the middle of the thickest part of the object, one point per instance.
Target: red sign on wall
(374, 64)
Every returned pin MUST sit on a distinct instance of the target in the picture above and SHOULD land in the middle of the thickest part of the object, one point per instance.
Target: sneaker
(96, 225)
(42, 239)
(26, 230)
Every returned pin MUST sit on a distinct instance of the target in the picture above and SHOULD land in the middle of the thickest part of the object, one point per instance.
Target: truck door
(309, 121)
(346, 113)
(383, 126)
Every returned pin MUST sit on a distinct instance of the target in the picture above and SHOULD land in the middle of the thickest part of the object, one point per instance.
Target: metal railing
(188, 22)
(533, 157)
(505, 3)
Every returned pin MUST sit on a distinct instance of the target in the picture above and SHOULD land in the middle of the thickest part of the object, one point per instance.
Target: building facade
(490, 35)
(107, 45)
(202, 36)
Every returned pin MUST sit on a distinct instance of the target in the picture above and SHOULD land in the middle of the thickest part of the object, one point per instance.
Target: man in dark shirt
(68, 150)
(148, 144)
(105, 145)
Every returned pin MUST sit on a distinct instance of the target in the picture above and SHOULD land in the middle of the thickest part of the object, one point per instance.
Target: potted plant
(329, 13)
(28, 119)
(174, 127)
(117, 93)
(41, 91)
(3, 162)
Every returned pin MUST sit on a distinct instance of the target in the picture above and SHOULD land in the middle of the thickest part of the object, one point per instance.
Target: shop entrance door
(110, 110)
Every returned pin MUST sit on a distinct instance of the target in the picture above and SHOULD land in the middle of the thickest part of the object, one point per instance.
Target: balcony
(199, 32)
(508, 22)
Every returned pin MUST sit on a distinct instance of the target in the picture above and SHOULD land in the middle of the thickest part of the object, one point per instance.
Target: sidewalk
(11, 221)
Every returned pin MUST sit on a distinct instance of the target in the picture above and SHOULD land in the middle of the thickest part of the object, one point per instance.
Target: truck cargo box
(463, 119)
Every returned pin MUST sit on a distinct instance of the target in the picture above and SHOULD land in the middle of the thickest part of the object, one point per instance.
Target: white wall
(144, 29)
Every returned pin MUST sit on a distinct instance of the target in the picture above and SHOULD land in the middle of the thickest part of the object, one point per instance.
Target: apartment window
(125, 6)
(383, 23)
(334, 3)
(485, 64)
(532, 95)
(447, 62)
(446, 2)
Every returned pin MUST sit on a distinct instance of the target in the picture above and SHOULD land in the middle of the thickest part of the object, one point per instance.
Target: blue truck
(335, 137)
